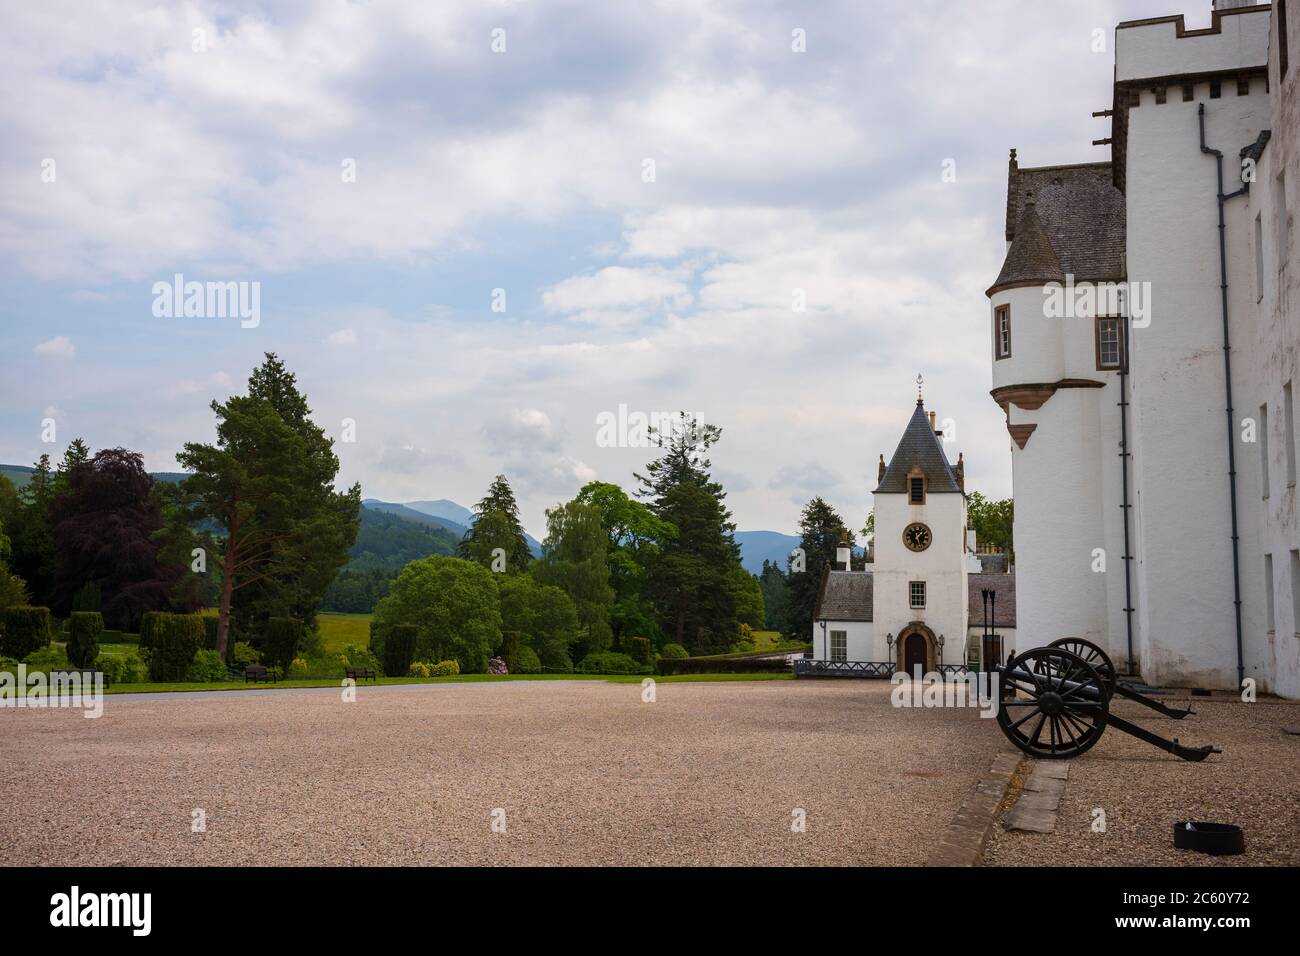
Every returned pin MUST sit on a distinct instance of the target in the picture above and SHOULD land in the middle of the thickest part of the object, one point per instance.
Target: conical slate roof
(919, 446)
(1031, 257)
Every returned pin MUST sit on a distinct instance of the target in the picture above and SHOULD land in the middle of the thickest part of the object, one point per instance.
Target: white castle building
(919, 602)
(1154, 438)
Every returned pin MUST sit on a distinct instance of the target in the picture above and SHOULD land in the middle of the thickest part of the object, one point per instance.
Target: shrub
(743, 647)
(174, 640)
(280, 644)
(497, 666)
(526, 661)
(243, 654)
(210, 625)
(556, 661)
(26, 629)
(399, 648)
(444, 669)
(354, 656)
(611, 662)
(51, 658)
(311, 644)
(673, 652)
(418, 669)
(206, 667)
(84, 631)
(639, 649)
(122, 668)
(86, 599)
(378, 635)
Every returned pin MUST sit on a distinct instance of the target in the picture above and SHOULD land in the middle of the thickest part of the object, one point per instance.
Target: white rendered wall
(1156, 50)
(858, 638)
(1180, 474)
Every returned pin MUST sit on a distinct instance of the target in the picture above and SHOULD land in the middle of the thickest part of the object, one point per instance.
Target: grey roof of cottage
(995, 561)
(846, 596)
(1080, 212)
(1004, 589)
(849, 596)
(919, 446)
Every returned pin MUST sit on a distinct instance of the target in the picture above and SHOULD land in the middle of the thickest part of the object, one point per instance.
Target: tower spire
(919, 382)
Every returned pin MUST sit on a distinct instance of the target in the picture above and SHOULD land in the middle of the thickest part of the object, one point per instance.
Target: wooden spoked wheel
(1053, 703)
(1094, 655)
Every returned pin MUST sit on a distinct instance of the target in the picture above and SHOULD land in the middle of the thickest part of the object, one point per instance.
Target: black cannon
(1055, 703)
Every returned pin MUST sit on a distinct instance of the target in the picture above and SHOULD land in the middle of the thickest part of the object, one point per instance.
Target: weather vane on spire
(919, 382)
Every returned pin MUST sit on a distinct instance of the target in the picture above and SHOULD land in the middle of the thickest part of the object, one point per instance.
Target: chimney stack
(843, 552)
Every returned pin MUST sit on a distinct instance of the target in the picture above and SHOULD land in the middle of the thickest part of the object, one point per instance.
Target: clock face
(917, 536)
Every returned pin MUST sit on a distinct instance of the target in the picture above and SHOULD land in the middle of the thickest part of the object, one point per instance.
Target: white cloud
(58, 347)
(342, 338)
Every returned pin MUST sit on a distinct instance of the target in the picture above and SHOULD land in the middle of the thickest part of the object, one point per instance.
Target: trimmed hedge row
(280, 645)
(706, 665)
(85, 628)
(174, 640)
(25, 629)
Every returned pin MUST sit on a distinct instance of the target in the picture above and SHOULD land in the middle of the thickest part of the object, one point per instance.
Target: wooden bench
(359, 673)
(254, 673)
(87, 673)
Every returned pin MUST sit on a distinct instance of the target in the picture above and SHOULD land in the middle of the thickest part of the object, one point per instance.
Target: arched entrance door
(915, 653)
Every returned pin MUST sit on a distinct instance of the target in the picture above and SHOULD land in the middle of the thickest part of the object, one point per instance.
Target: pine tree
(692, 578)
(497, 525)
(820, 532)
(33, 557)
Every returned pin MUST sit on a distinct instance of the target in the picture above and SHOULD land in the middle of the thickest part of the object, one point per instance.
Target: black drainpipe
(1124, 456)
(1227, 374)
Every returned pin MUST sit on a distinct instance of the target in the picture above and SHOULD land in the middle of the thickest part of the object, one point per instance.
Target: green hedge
(146, 628)
(25, 629)
(280, 645)
(84, 631)
(525, 661)
(399, 649)
(210, 624)
(640, 649)
(722, 665)
(610, 662)
(674, 651)
(174, 640)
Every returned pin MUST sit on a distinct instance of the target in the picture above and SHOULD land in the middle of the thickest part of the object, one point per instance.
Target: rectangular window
(916, 491)
(917, 589)
(1288, 419)
(839, 645)
(1259, 257)
(1295, 591)
(1263, 449)
(1109, 343)
(1269, 624)
(1002, 332)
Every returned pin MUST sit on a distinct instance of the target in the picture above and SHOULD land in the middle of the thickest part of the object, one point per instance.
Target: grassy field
(337, 631)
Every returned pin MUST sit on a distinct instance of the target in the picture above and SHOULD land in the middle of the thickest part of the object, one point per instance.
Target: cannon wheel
(1094, 655)
(1054, 703)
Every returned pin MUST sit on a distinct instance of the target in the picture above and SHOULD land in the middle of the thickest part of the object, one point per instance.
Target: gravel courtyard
(1254, 783)
(585, 773)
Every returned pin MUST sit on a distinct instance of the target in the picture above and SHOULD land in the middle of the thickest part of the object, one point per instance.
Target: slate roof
(849, 596)
(919, 445)
(1080, 213)
(1004, 585)
(1030, 257)
(846, 596)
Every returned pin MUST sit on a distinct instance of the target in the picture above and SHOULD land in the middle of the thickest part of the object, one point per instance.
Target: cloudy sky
(644, 191)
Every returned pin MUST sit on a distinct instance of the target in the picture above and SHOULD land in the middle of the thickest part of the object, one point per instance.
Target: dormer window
(916, 487)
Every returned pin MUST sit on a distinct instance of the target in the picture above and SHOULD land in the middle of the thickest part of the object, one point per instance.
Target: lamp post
(940, 650)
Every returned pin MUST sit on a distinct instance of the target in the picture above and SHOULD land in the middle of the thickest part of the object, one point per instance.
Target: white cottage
(912, 606)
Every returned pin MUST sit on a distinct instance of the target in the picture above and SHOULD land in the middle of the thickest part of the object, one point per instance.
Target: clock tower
(920, 566)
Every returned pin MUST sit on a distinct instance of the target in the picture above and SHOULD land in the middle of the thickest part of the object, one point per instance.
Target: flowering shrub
(418, 669)
(444, 669)
(497, 666)
(300, 668)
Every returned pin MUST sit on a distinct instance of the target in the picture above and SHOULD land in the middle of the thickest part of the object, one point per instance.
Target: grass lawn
(462, 679)
(337, 631)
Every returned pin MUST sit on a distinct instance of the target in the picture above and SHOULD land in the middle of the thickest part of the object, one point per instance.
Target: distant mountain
(442, 513)
(758, 546)
(21, 474)
(391, 541)
(442, 508)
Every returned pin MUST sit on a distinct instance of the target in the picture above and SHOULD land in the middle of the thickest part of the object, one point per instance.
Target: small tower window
(1109, 343)
(916, 489)
(1002, 332)
(917, 589)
